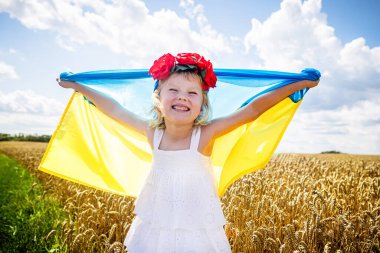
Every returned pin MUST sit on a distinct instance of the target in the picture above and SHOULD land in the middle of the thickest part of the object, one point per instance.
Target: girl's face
(180, 98)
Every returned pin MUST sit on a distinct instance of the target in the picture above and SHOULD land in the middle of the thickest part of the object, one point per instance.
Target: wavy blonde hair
(158, 121)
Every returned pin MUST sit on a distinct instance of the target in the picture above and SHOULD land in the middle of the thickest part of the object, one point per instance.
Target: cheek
(199, 104)
(165, 104)
(160, 104)
(167, 97)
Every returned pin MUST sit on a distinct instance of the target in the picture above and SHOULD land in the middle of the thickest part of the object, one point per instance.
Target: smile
(180, 108)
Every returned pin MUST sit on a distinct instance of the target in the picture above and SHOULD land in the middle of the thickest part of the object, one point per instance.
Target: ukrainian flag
(90, 148)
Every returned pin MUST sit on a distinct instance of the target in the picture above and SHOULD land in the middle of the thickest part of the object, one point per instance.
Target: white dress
(178, 209)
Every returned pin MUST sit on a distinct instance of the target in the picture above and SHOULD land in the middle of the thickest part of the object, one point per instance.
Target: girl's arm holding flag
(252, 111)
(109, 106)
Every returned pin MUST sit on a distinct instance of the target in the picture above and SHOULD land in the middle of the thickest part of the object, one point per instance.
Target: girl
(178, 209)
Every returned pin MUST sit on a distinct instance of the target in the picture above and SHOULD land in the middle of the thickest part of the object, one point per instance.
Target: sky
(40, 39)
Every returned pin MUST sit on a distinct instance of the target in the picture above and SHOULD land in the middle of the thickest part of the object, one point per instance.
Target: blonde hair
(157, 120)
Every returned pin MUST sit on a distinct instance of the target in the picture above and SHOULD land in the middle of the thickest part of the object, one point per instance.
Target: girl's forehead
(183, 81)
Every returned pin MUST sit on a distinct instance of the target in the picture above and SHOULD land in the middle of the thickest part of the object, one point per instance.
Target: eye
(171, 89)
(193, 93)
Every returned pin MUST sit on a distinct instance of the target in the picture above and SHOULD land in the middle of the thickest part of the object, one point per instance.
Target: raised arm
(109, 106)
(255, 108)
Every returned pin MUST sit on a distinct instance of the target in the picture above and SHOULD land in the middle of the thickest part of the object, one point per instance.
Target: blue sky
(42, 39)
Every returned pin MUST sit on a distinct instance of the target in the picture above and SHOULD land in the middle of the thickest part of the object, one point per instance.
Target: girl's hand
(311, 84)
(65, 84)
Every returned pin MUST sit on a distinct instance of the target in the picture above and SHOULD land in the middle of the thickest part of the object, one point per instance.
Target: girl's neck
(178, 132)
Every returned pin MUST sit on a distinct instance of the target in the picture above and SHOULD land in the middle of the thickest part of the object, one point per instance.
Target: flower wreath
(167, 64)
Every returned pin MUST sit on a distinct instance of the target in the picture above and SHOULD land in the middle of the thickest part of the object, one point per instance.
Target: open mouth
(180, 108)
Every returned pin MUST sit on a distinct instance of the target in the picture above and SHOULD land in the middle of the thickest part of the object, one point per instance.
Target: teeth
(182, 108)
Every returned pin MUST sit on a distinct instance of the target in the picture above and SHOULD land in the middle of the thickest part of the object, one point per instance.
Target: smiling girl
(178, 208)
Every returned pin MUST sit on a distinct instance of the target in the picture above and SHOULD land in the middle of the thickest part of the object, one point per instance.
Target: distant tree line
(23, 137)
(331, 152)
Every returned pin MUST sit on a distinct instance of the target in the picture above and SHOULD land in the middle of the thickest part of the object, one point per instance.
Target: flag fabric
(90, 148)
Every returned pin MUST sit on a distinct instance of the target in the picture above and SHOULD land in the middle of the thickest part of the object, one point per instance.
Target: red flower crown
(167, 64)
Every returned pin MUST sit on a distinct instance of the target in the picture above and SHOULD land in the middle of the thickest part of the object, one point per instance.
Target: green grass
(27, 214)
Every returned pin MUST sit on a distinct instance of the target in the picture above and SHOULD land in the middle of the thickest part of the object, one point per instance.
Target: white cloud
(24, 111)
(350, 129)
(33, 14)
(28, 102)
(342, 113)
(358, 60)
(7, 71)
(298, 36)
(26, 123)
(209, 34)
(123, 26)
(294, 36)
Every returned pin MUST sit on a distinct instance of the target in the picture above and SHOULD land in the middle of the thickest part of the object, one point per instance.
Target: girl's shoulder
(150, 135)
(206, 141)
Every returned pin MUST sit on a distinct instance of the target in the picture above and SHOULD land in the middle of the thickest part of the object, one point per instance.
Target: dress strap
(194, 143)
(195, 137)
(157, 136)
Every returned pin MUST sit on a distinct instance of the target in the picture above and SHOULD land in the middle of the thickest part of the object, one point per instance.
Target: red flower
(210, 78)
(162, 67)
(166, 64)
(191, 59)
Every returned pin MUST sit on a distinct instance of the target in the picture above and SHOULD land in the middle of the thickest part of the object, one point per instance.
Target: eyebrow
(174, 85)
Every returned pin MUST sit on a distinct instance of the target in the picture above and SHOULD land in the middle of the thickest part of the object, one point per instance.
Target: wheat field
(297, 203)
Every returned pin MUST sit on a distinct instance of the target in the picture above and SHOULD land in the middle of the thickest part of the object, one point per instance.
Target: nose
(182, 96)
